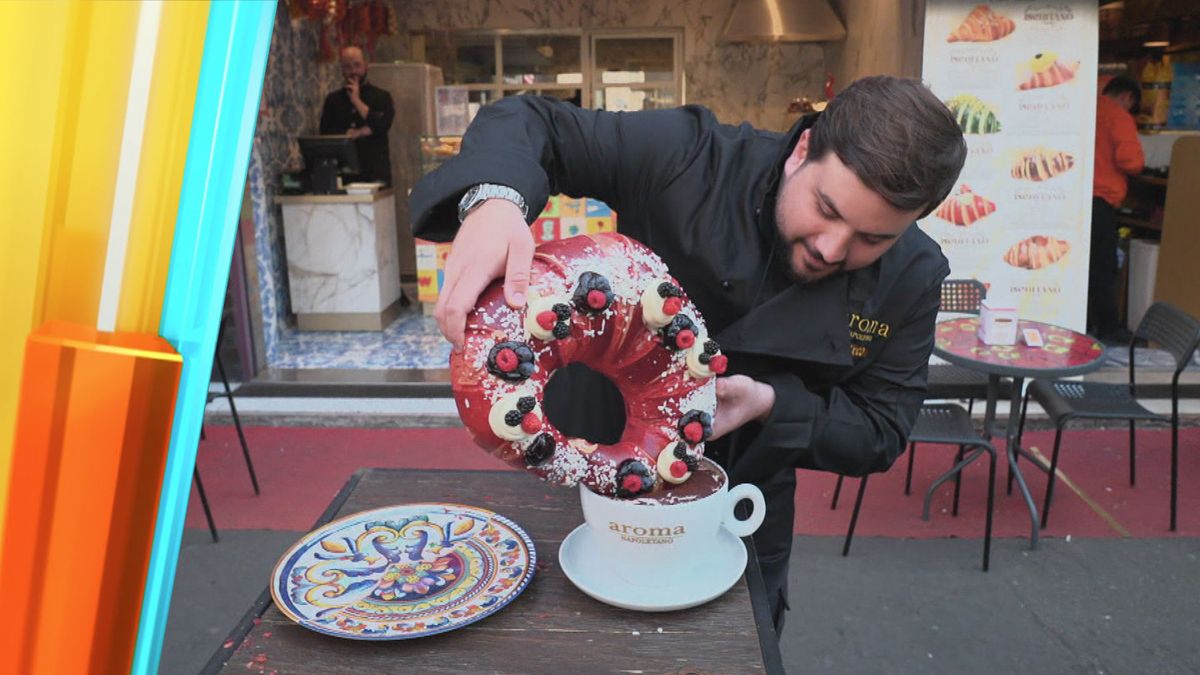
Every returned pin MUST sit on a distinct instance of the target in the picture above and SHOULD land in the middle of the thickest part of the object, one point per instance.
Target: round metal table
(1065, 353)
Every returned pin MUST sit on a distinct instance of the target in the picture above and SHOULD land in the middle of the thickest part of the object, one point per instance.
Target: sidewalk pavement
(910, 598)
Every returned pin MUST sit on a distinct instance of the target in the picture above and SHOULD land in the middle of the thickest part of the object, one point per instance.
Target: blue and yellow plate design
(404, 571)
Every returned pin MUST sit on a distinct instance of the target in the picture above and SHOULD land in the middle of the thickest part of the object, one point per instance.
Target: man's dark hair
(1123, 84)
(898, 138)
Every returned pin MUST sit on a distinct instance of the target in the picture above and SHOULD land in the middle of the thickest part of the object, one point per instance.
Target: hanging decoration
(346, 23)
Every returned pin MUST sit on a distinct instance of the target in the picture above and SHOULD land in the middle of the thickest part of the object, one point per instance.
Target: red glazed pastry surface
(590, 299)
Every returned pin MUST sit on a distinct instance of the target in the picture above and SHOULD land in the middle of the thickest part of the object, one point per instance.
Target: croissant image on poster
(1039, 164)
(1037, 252)
(1045, 70)
(964, 207)
(973, 115)
(982, 25)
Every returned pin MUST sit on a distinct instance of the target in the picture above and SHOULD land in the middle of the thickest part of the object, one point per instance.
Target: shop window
(608, 69)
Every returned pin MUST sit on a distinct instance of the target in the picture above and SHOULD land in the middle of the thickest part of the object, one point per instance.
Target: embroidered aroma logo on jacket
(863, 331)
(868, 328)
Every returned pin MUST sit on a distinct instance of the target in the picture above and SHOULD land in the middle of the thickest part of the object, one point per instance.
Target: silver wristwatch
(485, 191)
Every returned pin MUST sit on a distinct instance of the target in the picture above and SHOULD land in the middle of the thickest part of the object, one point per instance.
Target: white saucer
(708, 579)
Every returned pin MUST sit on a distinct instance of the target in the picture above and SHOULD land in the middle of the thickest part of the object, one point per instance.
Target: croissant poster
(1020, 78)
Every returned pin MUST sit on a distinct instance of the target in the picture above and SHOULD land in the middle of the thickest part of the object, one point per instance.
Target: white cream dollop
(696, 369)
(496, 417)
(652, 306)
(535, 307)
(665, 459)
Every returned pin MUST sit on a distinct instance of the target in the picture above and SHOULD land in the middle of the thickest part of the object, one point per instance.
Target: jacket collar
(764, 193)
(804, 322)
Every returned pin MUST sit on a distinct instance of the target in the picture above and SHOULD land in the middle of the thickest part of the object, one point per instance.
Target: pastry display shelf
(435, 150)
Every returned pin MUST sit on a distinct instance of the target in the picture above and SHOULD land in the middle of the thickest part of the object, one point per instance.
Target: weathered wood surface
(550, 627)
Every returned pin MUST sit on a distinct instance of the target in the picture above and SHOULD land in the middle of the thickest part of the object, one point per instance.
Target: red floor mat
(300, 469)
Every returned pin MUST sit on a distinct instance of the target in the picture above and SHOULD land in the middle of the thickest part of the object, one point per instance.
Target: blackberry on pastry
(705, 359)
(676, 464)
(634, 479)
(512, 361)
(695, 426)
(593, 294)
(548, 318)
(680, 334)
(661, 301)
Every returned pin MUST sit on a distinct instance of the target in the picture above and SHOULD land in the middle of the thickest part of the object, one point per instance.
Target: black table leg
(989, 412)
(1011, 450)
(990, 429)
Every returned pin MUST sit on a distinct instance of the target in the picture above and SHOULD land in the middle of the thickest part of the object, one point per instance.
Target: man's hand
(358, 132)
(741, 399)
(356, 101)
(494, 241)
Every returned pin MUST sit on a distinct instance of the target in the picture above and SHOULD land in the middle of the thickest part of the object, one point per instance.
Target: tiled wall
(739, 82)
(293, 91)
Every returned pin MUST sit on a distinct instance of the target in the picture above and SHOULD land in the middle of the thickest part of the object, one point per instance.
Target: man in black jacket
(798, 249)
(364, 112)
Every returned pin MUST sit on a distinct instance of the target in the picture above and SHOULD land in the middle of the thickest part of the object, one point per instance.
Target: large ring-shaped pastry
(608, 302)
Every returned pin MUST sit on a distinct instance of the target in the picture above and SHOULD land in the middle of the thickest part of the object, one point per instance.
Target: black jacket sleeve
(381, 113)
(328, 122)
(540, 146)
(858, 427)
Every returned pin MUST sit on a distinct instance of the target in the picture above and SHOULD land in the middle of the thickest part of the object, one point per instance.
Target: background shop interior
(291, 327)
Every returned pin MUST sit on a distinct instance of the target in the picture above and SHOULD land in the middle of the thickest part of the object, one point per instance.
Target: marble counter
(342, 261)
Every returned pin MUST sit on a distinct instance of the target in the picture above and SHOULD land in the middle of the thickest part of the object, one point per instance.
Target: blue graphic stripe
(231, 77)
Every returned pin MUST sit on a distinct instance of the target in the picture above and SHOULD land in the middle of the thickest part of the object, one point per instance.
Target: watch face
(464, 205)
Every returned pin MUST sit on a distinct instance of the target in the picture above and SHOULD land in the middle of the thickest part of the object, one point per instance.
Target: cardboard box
(571, 226)
(998, 322)
(545, 229)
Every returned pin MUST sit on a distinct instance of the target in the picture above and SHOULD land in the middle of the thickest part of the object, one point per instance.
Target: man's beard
(795, 274)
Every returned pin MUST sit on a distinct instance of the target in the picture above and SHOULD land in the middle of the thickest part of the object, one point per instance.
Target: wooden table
(550, 627)
(1065, 353)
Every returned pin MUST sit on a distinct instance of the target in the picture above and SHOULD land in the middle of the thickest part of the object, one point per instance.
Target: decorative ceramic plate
(403, 571)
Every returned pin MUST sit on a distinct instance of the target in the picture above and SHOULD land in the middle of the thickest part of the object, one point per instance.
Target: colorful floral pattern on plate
(1063, 348)
(404, 571)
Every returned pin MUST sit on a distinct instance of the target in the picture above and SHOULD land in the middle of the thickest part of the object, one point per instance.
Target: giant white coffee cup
(641, 538)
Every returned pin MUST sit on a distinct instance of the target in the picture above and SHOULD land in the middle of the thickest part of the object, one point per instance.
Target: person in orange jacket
(1118, 155)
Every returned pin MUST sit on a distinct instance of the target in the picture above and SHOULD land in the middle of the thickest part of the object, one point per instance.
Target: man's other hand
(352, 90)
(493, 242)
(741, 399)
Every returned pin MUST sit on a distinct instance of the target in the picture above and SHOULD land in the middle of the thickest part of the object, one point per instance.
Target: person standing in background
(364, 112)
(1118, 155)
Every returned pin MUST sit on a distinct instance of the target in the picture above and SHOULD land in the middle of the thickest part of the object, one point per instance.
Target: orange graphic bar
(93, 427)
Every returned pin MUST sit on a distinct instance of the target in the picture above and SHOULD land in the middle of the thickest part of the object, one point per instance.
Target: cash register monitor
(327, 156)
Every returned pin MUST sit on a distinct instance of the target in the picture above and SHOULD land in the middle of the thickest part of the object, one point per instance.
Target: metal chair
(1065, 400)
(237, 423)
(962, 296)
(948, 424)
(212, 526)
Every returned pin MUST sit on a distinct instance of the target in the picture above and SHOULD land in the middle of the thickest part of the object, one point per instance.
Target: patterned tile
(411, 341)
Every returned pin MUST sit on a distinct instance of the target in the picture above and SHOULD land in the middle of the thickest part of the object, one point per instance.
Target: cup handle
(745, 528)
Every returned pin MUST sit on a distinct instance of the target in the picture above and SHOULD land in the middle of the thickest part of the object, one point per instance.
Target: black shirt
(338, 116)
